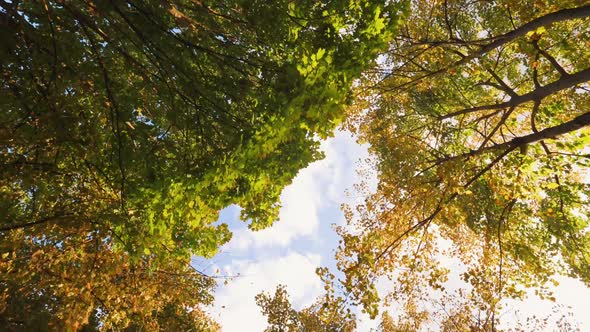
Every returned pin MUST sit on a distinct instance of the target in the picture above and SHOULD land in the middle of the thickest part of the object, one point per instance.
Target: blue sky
(303, 239)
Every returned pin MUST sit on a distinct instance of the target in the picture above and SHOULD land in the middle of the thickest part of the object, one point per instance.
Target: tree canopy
(327, 314)
(478, 120)
(126, 126)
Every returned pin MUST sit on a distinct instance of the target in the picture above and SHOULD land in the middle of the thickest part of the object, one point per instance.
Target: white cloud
(364, 322)
(275, 256)
(298, 217)
(235, 307)
(572, 294)
(321, 184)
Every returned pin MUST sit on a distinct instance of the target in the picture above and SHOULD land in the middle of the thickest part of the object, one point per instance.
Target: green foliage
(127, 126)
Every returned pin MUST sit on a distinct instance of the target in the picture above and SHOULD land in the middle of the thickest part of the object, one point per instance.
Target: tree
(478, 121)
(127, 126)
(278, 311)
(326, 315)
(453, 318)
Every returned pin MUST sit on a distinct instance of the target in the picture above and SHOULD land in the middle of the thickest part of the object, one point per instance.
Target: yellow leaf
(552, 185)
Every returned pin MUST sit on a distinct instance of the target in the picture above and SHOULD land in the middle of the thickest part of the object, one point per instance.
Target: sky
(303, 239)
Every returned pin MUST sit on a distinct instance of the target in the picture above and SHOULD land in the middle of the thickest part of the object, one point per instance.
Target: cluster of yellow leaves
(445, 116)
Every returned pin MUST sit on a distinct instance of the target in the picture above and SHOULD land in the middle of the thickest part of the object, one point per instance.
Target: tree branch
(561, 84)
(558, 16)
(36, 222)
(576, 123)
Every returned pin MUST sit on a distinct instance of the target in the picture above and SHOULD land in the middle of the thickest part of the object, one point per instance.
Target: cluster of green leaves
(126, 126)
(479, 123)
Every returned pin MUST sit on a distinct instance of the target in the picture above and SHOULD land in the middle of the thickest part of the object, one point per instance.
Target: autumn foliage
(126, 126)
